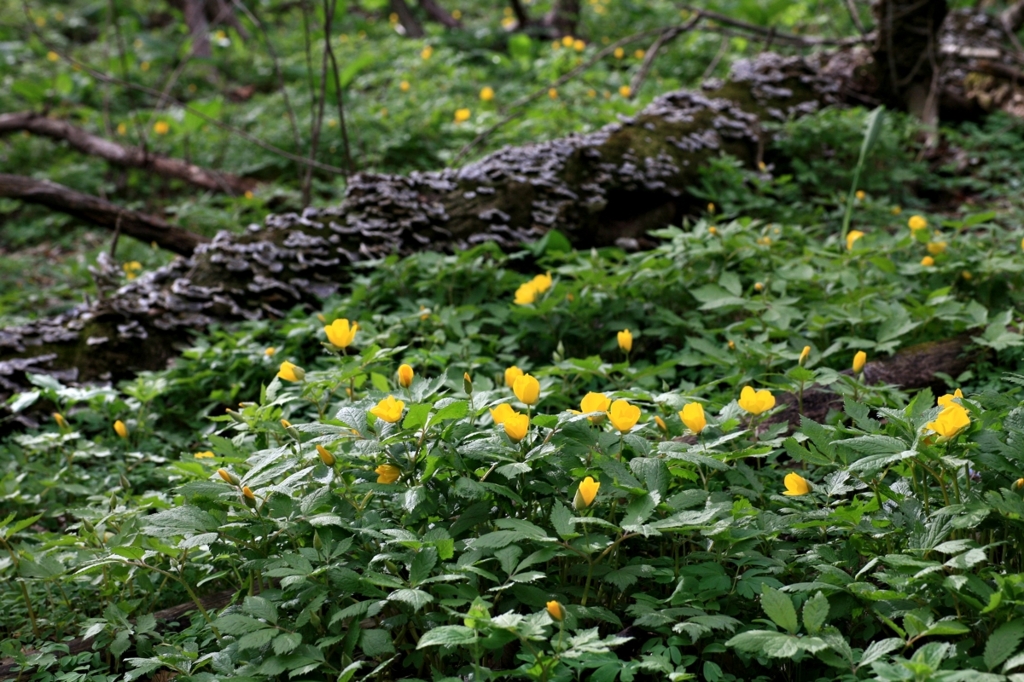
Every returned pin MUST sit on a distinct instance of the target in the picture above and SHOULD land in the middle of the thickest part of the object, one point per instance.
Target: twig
(277, 71)
(855, 16)
(439, 14)
(266, 146)
(337, 87)
(521, 16)
(319, 101)
(718, 57)
(652, 52)
(412, 28)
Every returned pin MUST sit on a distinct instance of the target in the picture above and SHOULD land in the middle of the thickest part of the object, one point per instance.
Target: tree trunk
(198, 27)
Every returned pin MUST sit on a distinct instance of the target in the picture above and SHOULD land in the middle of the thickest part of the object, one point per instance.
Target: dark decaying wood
(142, 226)
(123, 155)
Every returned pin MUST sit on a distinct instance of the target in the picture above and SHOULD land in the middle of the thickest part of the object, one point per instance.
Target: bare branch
(439, 14)
(406, 18)
(142, 226)
(122, 155)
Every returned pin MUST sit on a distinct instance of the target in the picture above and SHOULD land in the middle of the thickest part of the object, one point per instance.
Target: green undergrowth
(443, 545)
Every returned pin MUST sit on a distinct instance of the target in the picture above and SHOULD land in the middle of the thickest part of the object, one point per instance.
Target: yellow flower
(556, 611)
(325, 455)
(625, 338)
(623, 415)
(511, 374)
(456, 14)
(858, 361)
(144, 66)
(404, 86)
(526, 294)
(387, 473)
(732, 345)
(860, 195)
(61, 422)
(692, 416)
(927, 261)
(796, 485)
(1019, 483)
(895, 210)
(405, 375)
(951, 421)
(206, 454)
(541, 282)
(661, 423)
(427, 51)
(462, 115)
(619, 53)
(639, 54)
(803, 355)
(290, 372)
(917, 222)
(713, 230)
(764, 241)
(552, 93)
(340, 333)
(52, 56)
(502, 412)
(388, 409)
(595, 402)
(758, 286)
(270, 352)
(935, 248)
(851, 237)
(286, 424)
(947, 400)
(121, 429)
(579, 45)
(122, 129)
(527, 389)
(487, 93)
(1022, 243)
(756, 402)
(516, 426)
(567, 41)
(966, 274)
(161, 128)
(586, 493)
(625, 91)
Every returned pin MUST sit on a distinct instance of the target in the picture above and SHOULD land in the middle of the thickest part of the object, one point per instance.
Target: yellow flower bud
(228, 476)
(290, 372)
(527, 389)
(796, 485)
(325, 455)
(405, 375)
(585, 493)
(387, 473)
(61, 422)
(803, 355)
(487, 93)
(516, 426)
(692, 415)
(858, 361)
(625, 339)
(121, 429)
(556, 611)
(851, 237)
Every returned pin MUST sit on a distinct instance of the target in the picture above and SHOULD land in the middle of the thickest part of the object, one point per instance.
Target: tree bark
(142, 226)
(439, 14)
(198, 27)
(123, 155)
(405, 17)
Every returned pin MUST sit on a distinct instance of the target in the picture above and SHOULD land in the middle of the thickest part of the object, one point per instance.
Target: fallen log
(123, 155)
(142, 226)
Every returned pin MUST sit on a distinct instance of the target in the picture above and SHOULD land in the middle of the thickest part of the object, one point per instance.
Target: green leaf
(237, 624)
(179, 521)
(451, 409)
(421, 565)
(376, 643)
(417, 599)
(815, 613)
(447, 635)
(285, 643)
(258, 607)
(775, 644)
(561, 519)
(416, 416)
(257, 639)
(779, 607)
(1003, 642)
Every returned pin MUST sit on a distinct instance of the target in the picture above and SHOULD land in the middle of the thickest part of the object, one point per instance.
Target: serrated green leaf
(286, 642)
(1003, 643)
(779, 607)
(447, 635)
(815, 613)
(561, 520)
(376, 643)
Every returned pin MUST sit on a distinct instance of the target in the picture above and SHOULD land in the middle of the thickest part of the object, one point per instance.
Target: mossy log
(609, 186)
